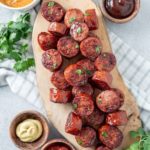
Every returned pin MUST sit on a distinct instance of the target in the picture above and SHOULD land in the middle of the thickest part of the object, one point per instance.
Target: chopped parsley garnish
(75, 106)
(99, 100)
(79, 142)
(98, 49)
(79, 71)
(79, 30)
(104, 134)
(77, 46)
(55, 65)
(72, 20)
(51, 4)
(86, 14)
(88, 72)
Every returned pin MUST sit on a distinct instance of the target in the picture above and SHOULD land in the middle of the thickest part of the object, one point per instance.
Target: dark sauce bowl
(120, 19)
(57, 142)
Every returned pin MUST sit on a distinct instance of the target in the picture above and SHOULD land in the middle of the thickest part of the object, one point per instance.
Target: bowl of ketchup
(120, 11)
(58, 144)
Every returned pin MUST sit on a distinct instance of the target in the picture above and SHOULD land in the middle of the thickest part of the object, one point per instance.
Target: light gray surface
(136, 33)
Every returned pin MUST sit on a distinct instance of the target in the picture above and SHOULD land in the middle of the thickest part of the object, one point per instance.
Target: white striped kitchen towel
(134, 69)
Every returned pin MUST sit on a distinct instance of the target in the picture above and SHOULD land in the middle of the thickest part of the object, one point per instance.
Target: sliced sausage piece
(73, 124)
(85, 89)
(102, 79)
(47, 41)
(75, 75)
(83, 104)
(91, 19)
(52, 11)
(73, 15)
(88, 66)
(68, 47)
(105, 61)
(59, 81)
(51, 59)
(58, 147)
(91, 48)
(110, 136)
(95, 119)
(103, 148)
(118, 118)
(60, 96)
(79, 31)
(108, 101)
(87, 137)
(58, 29)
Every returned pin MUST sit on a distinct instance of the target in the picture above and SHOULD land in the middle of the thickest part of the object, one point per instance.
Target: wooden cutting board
(58, 113)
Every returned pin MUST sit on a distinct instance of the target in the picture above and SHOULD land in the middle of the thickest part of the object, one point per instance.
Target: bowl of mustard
(29, 130)
(18, 4)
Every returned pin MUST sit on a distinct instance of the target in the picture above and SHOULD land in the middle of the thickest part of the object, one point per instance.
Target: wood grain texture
(58, 113)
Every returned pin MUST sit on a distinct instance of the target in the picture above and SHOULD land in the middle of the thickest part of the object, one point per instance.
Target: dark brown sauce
(120, 9)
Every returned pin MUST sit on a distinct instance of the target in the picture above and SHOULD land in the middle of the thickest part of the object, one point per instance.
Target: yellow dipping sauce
(29, 130)
(16, 3)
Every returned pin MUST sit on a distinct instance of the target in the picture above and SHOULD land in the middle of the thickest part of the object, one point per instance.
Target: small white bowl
(24, 8)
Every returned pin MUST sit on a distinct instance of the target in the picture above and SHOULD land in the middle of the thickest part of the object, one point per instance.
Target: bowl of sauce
(120, 11)
(58, 144)
(18, 4)
(29, 130)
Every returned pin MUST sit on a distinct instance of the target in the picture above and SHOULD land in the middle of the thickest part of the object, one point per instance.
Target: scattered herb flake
(79, 30)
(104, 134)
(72, 20)
(54, 65)
(77, 46)
(86, 14)
(79, 71)
(51, 4)
(99, 100)
(79, 142)
(75, 106)
(88, 72)
(98, 49)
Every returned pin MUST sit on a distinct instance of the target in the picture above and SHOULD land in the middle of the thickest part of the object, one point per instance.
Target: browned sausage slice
(118, 118)
(51, 59)
(59, 81)
(87, 137)
(68, 47)
(75, 75)
(58, 29)
(83, 104)
(73, 124)
(73, 15)
(110, 136)
(108, 101)
(79, 31)
(52, 11)
(95, 119)
(102, 79)
(47, 41)
(91, 48)
(88, 66)
(105, 61)
(60, 96)
(103, 148)
(85, 89)
(91, 19)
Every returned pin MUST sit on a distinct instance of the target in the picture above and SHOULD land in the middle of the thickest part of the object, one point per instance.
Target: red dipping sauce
(58, 146)
(120, 9)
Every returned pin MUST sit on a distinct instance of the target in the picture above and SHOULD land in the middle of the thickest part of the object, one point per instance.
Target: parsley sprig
(14, 43)
(143, 140)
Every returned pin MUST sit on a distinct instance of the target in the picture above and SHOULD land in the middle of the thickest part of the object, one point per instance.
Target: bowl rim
(32, 113)
(59, 140)
(34, 2)
(127, 19)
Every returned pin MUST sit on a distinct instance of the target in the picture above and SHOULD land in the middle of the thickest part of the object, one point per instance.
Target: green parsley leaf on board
(98, 49)
(79, 30)
(72, 20)
(51, 4)
(13, 42)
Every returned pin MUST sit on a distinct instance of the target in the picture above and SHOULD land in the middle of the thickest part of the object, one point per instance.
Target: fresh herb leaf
(86, 14)
(79, 142)
(104, 134)
(79, 71)
(79, 30)
(51, 4)
(99, 101)
(21, 66)
(71, 20)
(77, 46)
(75, 106)
(98, 49)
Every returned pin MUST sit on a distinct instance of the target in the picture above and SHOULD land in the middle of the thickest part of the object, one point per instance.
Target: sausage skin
(83, 105)
(73, 124)
(47, 41)
(91, 19)
(60, 96)
(87, 137)
(51, 59)
(52, 11)
(68, 47)
(110, 136)
(118, 118)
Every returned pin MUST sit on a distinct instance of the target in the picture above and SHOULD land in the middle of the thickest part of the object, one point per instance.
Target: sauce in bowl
(16, 3)
(120, 9)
